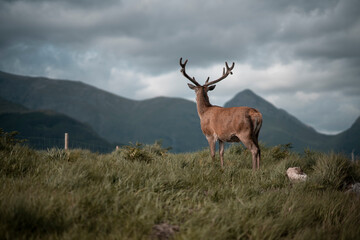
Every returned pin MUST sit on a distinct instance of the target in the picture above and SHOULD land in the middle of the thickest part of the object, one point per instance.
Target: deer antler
(225, 74)
(185, 74)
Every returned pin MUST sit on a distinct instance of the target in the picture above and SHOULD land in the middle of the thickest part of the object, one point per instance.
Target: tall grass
(77, 194)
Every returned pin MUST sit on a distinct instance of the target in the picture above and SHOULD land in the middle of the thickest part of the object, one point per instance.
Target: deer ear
(191, 86)
(211, 87)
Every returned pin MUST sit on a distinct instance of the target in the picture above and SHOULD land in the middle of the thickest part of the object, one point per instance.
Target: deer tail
(257, 122)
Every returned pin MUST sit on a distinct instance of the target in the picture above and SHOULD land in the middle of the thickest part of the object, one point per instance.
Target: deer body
(216, 122)
(233, 124)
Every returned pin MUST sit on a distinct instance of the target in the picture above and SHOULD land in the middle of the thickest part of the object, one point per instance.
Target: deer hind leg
(253, 146)
(256, 141)
(258, 155)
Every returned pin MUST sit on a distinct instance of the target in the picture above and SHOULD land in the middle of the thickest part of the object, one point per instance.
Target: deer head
(208, 86)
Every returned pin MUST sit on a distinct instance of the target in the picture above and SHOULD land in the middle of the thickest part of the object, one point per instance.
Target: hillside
(349, 140)
(173, 120)
(7, 106)
(45, 129)
(117, 119)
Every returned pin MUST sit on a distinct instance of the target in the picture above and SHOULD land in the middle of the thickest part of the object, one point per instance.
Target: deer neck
(202, 101)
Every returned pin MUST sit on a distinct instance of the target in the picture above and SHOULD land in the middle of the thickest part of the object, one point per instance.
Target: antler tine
(207, 80)
(225, 74)
(183, 65)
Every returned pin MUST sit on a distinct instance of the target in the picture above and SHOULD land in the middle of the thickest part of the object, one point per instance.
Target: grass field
(126, 194)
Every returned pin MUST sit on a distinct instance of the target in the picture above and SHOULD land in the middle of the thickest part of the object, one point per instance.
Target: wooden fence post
(66, 141)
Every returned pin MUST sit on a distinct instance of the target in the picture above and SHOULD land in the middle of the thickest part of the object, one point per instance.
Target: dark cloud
(315, 42)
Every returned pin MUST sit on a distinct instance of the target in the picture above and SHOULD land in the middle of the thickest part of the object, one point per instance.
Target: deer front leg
(221, 152)
(212, 145)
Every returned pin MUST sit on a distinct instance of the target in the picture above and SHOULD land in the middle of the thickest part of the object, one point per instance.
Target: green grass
(77, 194)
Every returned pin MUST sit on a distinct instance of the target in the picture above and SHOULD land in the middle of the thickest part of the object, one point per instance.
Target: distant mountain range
(46, 128)
(114, 118)
(172, 120)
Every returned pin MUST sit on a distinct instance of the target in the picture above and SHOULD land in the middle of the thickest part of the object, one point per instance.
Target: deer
(234, 124)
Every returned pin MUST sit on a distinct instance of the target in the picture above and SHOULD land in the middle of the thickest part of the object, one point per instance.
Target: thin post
(66, 141)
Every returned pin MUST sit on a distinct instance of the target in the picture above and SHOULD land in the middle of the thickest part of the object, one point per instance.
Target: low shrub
(136, 152)
(281, 151)
(9, 140)
(333, 171)
(157, 149)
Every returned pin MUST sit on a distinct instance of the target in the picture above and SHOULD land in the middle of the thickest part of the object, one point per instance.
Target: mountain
(45, 129)
(172, 120)
(117, 119)
(280, 127)
(349, 140)
(7, 106)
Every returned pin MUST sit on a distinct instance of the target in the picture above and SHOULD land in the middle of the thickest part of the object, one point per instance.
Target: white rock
(356, 188)
(296, 174)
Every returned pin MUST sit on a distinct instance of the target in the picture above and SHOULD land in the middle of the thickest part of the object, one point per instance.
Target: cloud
(293, 53)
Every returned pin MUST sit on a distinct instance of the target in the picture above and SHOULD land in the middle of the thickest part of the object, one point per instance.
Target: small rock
(296, 174)
(354, 188)
(164, 231)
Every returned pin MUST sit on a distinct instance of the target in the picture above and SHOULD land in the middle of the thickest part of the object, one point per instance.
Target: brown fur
(233, 124)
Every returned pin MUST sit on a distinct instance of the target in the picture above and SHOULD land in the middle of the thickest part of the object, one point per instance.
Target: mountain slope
(115, 118)
(45, 129)
(7, 106)
(349, 140)
(173, 120)
(279, 127)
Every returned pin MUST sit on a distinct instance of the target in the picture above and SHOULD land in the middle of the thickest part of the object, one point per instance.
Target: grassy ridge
(82, 195)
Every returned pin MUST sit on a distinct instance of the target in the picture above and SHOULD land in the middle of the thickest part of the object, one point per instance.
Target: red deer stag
(233, 124)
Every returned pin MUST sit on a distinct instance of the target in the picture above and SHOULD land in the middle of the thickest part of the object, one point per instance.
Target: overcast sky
(302, 56)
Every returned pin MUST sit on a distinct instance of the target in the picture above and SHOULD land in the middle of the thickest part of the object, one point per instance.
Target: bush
(18, 162)
(281, 151)
(332, 170)
(136, 152)
(15, 160)
(157, 149)
(9, 140)
(305, 161)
